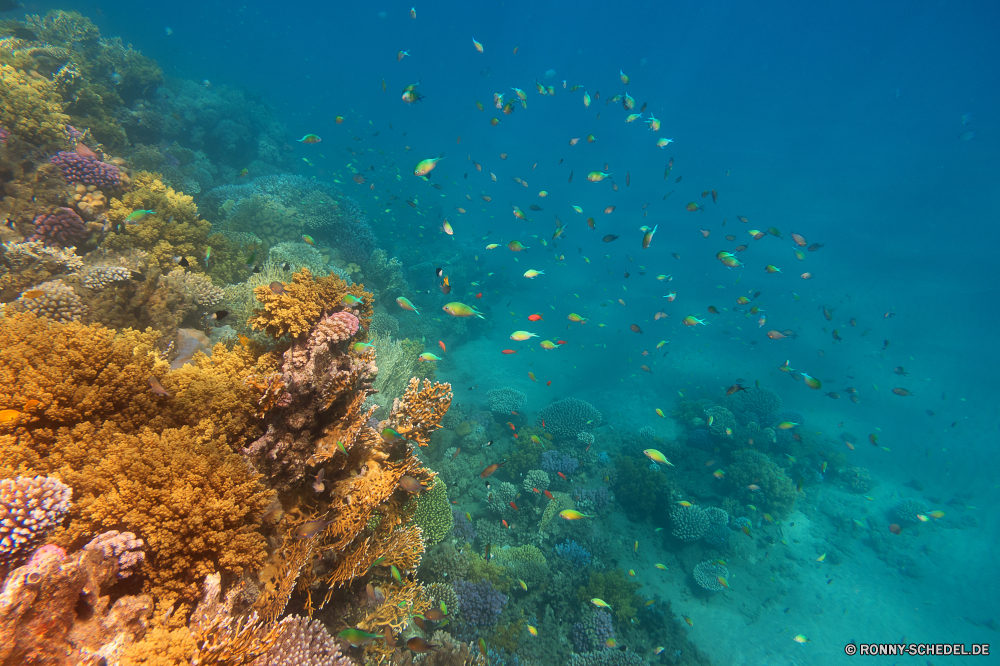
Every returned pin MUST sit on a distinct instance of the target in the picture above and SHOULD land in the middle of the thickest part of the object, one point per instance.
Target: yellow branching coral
(401, 548)
(401, 603)
(420, 410)
(175, 230)
(32, 109)
(301, 304)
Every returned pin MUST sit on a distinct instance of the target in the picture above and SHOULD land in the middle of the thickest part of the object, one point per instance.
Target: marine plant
(614, 589)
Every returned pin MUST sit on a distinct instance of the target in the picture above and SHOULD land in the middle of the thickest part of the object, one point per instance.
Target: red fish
(548, 494)
(562, 475)
(479, 295)
(508, 351)
(560, 342)
(514, 506)
(441, 344)
(492, 468)
(511, 425)
(536, 490)
(548, 383)
(535, 317)
(505, 522)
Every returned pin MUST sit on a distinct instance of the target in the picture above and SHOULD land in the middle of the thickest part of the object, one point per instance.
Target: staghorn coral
(384, 325)
(301, 304)
(505, 400)
(61, 227)
(30, 507)
(556, 461)
(607, 658)
(55, 301)
(569, 417)
(690, 522)
(444, 563)
(175, 230)
(433, 513)
(857, 479)
(706, 574)
(33, 109)
(593, 632)
(575, 553)
(56, 611)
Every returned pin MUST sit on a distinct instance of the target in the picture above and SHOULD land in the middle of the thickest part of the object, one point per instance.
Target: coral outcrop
(30, 507)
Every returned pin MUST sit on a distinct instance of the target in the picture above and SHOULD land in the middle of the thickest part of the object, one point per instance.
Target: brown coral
(32, 110)
(419, 412)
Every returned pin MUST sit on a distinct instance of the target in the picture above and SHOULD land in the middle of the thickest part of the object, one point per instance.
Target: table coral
(30, 507)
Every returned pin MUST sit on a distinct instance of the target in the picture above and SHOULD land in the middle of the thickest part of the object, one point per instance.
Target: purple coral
(594, 633)
(598, 497)
(62, 227)
(121, 546)
(480, 603)
(462, 528)
(555, 462)
(87, 170)
(4, 135)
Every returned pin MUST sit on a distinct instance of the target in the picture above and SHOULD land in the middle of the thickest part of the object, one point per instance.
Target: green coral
(777, 493)
(480, 569)
(640, 491)
(433, 513)
(526, 456)
(617, 591)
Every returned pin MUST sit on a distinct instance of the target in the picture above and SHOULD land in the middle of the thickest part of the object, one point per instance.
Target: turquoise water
(868, 130)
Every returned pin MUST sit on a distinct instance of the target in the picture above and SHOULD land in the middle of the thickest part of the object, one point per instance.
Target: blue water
(842, 122)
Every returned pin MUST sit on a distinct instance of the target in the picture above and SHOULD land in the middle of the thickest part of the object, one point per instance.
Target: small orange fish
(548, 494)
(31, 404)
(548, 383)
(492, 468)
(511, 425)
(514, 506)
(34, 293)
(441, 344)
(535, 317)
(157, 388)
(508, 351)
(8, 415)
(505, 522)
(561, 474)
(479, 295)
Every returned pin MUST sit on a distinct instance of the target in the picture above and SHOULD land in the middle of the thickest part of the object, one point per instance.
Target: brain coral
(433, 513)
(707, 575)
(909, 509)
(690, 522)
(61, 227)
(30, 507)
(569, 417)
(505, 400)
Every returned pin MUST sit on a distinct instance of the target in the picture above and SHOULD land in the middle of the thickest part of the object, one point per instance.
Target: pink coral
(334, 329)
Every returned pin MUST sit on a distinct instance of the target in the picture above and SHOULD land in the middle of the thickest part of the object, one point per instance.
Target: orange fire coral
(301, 303)
(420, 410)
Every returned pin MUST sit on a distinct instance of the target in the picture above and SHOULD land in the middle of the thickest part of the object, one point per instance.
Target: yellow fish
(659, 412)
(657, 457)
(572, 514)
(524, 586)
(479, 47)
(635, 547)
(936, 514)
(801, 639)
(821, 557)
(532, 630)
(631, 572)
(661, 567)
(685, 503)
(600, 603)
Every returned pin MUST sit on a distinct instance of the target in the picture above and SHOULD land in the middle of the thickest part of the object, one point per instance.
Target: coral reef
(707, 574)
(569, 417)
(690, 522)
(607, 658)
(61, 227)
(30, 507)
(641, 492)
(122, 546)
(462, 527)
(33, 109)
(23, 265)
(716, 535)
(505, 400)
(700, 439)
(857, 479)
(500, 498)
(442, 593)
(592, 633)
(450, 652)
